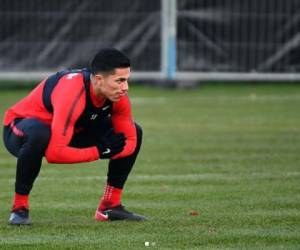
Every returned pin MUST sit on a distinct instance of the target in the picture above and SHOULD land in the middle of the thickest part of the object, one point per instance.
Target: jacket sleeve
(68, 100)
(123, 123)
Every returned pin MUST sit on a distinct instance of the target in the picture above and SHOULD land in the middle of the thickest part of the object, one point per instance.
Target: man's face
(113, 86)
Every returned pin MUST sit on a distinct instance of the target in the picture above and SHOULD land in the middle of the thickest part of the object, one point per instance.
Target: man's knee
(39, 135)
(139, 134)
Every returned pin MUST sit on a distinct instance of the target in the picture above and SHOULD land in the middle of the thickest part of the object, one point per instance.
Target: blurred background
(219, 165)
(181, 41)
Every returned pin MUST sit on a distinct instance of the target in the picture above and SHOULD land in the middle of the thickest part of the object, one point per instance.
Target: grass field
(230, 152)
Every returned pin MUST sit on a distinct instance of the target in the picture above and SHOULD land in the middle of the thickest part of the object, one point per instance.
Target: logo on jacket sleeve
(94, 116)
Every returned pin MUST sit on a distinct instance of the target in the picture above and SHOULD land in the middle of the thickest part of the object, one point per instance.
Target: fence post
(168, 41)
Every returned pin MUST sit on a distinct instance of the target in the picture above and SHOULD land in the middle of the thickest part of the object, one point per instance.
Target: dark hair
(107, 60)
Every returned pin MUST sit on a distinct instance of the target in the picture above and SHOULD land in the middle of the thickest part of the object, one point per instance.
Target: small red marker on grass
(194, 213)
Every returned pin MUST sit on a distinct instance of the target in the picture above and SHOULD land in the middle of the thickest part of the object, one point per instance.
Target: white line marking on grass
(170, 178)
(148, 100)
(251, 97)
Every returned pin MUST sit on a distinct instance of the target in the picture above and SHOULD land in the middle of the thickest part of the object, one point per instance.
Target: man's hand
(111, 144)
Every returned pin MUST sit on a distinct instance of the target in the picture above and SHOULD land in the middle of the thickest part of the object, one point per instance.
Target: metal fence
(165, 39)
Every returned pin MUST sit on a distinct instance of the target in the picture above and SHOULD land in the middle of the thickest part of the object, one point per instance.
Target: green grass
(229, 152)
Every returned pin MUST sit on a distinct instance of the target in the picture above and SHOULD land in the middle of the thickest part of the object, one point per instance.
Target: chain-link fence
(165, 39)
